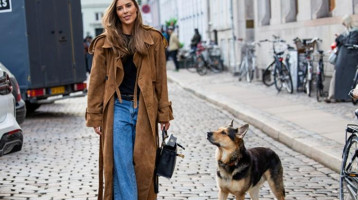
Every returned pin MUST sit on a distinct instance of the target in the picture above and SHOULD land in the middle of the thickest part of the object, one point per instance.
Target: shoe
(327, 100)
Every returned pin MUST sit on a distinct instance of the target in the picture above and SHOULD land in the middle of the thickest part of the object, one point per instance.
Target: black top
(130, 73)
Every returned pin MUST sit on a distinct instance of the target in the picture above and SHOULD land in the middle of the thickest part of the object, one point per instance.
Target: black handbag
(166, 157)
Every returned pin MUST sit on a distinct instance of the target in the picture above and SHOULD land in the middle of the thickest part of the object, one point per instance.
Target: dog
(241, 170)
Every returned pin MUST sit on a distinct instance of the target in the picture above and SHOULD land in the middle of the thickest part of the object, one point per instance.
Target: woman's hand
(98, 130)
(164, 125)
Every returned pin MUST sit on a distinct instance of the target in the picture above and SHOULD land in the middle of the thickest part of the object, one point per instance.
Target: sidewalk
(305, 125)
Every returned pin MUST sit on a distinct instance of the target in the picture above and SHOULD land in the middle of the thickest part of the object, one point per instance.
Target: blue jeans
(124, 123)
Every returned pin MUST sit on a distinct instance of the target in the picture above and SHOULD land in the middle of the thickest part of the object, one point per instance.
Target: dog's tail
(276, 179)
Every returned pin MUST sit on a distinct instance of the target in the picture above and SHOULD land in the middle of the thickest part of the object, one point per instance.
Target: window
(98, 31)
(98, 16)
(264, 12)
(289, 10)
(322, 8)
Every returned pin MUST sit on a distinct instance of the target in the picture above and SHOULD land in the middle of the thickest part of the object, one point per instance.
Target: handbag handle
(164, 136)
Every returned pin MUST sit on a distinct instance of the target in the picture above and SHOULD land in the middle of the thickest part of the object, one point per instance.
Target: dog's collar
(229, 164)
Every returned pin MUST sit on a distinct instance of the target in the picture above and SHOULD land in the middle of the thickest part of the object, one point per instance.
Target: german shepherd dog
(241, 170)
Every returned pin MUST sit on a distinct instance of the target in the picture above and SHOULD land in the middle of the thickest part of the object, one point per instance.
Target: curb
(313, 145)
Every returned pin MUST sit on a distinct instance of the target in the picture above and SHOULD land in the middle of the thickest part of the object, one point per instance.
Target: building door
(98, 31)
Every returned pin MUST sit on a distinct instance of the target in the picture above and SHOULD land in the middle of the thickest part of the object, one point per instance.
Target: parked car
(20, 103)
(10, 132)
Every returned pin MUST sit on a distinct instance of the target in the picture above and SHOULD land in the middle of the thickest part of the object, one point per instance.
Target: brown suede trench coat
(106, 76)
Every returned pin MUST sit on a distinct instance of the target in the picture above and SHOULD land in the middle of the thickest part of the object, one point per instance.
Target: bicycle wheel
(250, 71)
(287, 79)
(278, 79)
(308, 87)
(319, 94)
(348, 181)
(250, 75)
(242, 70)
(216, 65)
(267, 76)
(201, 67)
(190, 64)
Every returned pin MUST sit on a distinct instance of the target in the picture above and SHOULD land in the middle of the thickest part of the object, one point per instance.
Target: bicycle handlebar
(316, 39)
(273, 41)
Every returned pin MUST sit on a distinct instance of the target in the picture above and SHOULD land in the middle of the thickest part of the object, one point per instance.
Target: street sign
(145, 8)
(5, 6)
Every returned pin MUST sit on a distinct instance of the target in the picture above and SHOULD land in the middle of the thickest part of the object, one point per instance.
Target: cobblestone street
(59, 157)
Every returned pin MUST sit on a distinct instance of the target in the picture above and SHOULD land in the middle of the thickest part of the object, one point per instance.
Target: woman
(174, 46)
(195, 40)
(127, 98)
(346, 62)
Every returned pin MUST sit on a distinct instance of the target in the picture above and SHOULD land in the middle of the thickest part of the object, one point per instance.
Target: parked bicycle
(348, 184)
(208, 57)
(277, 72)
(305, 76)
(188, 57)
(247, 66)
(349, 169)
(320, 93)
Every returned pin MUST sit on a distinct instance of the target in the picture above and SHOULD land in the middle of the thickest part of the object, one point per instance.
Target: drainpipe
(209, 18)
(159, 15)
(235, 70)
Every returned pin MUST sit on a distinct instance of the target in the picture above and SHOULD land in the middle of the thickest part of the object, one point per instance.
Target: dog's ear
(231, 123)
(242, 130)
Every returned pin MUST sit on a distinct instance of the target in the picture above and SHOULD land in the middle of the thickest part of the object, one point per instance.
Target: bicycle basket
(308, 45)
(304, 45)
(299, 45)
(280, 47)
(352, 128)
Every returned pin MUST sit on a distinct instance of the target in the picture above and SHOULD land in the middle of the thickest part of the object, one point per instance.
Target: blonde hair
(347, 21)
(114, 32)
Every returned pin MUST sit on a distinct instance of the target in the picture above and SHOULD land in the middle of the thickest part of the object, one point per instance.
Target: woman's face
(126, 11)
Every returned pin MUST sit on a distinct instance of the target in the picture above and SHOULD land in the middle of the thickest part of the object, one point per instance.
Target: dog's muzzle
(211, 140)
(209, 135)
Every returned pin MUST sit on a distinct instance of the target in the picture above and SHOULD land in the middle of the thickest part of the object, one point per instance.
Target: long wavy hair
(114, 32)
(347, 21)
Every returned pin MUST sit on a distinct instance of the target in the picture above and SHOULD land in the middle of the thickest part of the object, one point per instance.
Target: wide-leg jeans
(124, 123)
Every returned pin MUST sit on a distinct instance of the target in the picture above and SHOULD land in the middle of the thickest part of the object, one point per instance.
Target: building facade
(193, 15)
(224, 29)
(303, 19)
(231, 21)
(92, 13)
(152, 18)
(228, 21)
